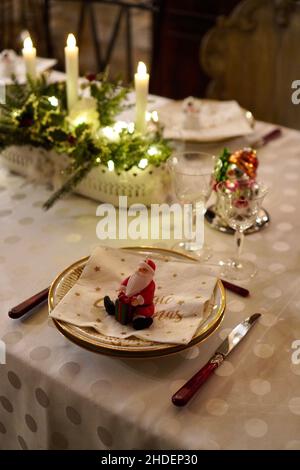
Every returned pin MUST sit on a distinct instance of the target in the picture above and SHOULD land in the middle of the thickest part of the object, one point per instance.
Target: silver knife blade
(237, 334)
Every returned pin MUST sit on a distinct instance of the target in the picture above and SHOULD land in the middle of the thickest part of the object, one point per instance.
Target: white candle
(29, 55)
(141, 81)
(72, 67)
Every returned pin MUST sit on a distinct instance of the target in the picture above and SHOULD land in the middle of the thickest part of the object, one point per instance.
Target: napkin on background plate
(42, 64)
(182, 291)
(217, 120)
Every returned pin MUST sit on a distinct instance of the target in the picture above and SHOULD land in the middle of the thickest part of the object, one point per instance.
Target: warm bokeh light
(143, 163)
(110, 165)
(53, 101)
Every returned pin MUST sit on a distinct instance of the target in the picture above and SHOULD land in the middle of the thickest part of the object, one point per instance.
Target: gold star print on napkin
(179, 303)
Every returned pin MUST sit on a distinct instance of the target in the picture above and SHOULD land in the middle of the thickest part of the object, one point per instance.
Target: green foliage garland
(36, 114)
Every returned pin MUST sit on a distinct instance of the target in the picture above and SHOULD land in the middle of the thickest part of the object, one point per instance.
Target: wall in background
(178, 31)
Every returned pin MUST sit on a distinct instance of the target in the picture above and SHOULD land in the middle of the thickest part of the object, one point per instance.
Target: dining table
(57, 395)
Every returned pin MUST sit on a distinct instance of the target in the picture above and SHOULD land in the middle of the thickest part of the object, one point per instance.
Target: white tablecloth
(53, 394)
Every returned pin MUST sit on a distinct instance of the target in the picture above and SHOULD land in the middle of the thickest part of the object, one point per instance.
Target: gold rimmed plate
(89, 338)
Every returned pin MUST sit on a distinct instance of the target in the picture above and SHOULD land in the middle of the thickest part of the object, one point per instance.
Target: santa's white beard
(137, 282)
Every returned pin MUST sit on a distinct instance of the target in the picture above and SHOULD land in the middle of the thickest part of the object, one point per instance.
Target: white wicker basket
(148, 186)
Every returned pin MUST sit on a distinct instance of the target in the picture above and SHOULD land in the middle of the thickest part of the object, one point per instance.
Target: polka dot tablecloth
(55, 395)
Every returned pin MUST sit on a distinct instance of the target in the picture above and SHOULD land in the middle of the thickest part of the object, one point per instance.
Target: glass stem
(239, 240)
(188, 226)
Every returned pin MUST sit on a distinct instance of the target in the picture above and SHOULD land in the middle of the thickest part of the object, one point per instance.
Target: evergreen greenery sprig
(36, 114)
(70, 184)
(222, 165)
(110, 99)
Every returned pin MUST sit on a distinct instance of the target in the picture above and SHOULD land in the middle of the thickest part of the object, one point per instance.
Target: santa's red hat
(148, 264)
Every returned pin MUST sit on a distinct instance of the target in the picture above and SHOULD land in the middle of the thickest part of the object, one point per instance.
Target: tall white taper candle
(141, 81)
(29, 55)
(72, 70)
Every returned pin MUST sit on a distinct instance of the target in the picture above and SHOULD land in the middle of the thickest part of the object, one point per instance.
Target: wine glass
(191, 174)
(240, 202)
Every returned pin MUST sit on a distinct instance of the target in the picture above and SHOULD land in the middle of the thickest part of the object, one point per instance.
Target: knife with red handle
(185, 393)
(236, 289)
(265, 139)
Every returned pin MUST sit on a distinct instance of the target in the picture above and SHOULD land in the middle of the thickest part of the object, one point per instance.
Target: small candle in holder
(29, 55)
(72, 71)
(141, 81)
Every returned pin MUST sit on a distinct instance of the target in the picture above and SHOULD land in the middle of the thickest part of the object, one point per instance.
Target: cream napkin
(180, 297)
(42, 64)
(217, 120)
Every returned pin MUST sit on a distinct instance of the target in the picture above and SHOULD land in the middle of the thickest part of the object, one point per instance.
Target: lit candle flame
(28, 43)
(71, 40)
(142, 69)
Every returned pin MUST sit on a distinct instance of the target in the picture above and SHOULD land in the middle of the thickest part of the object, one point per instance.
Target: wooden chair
(104, 48)
(7, 25)
(19, 16)
(253, 56)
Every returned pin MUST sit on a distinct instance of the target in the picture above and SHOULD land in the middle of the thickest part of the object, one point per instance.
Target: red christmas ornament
(246, 160)
(71, 139)
(91, 77)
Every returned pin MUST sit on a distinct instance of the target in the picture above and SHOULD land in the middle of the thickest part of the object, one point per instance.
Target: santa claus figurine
(191, 111)
(135, 298)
